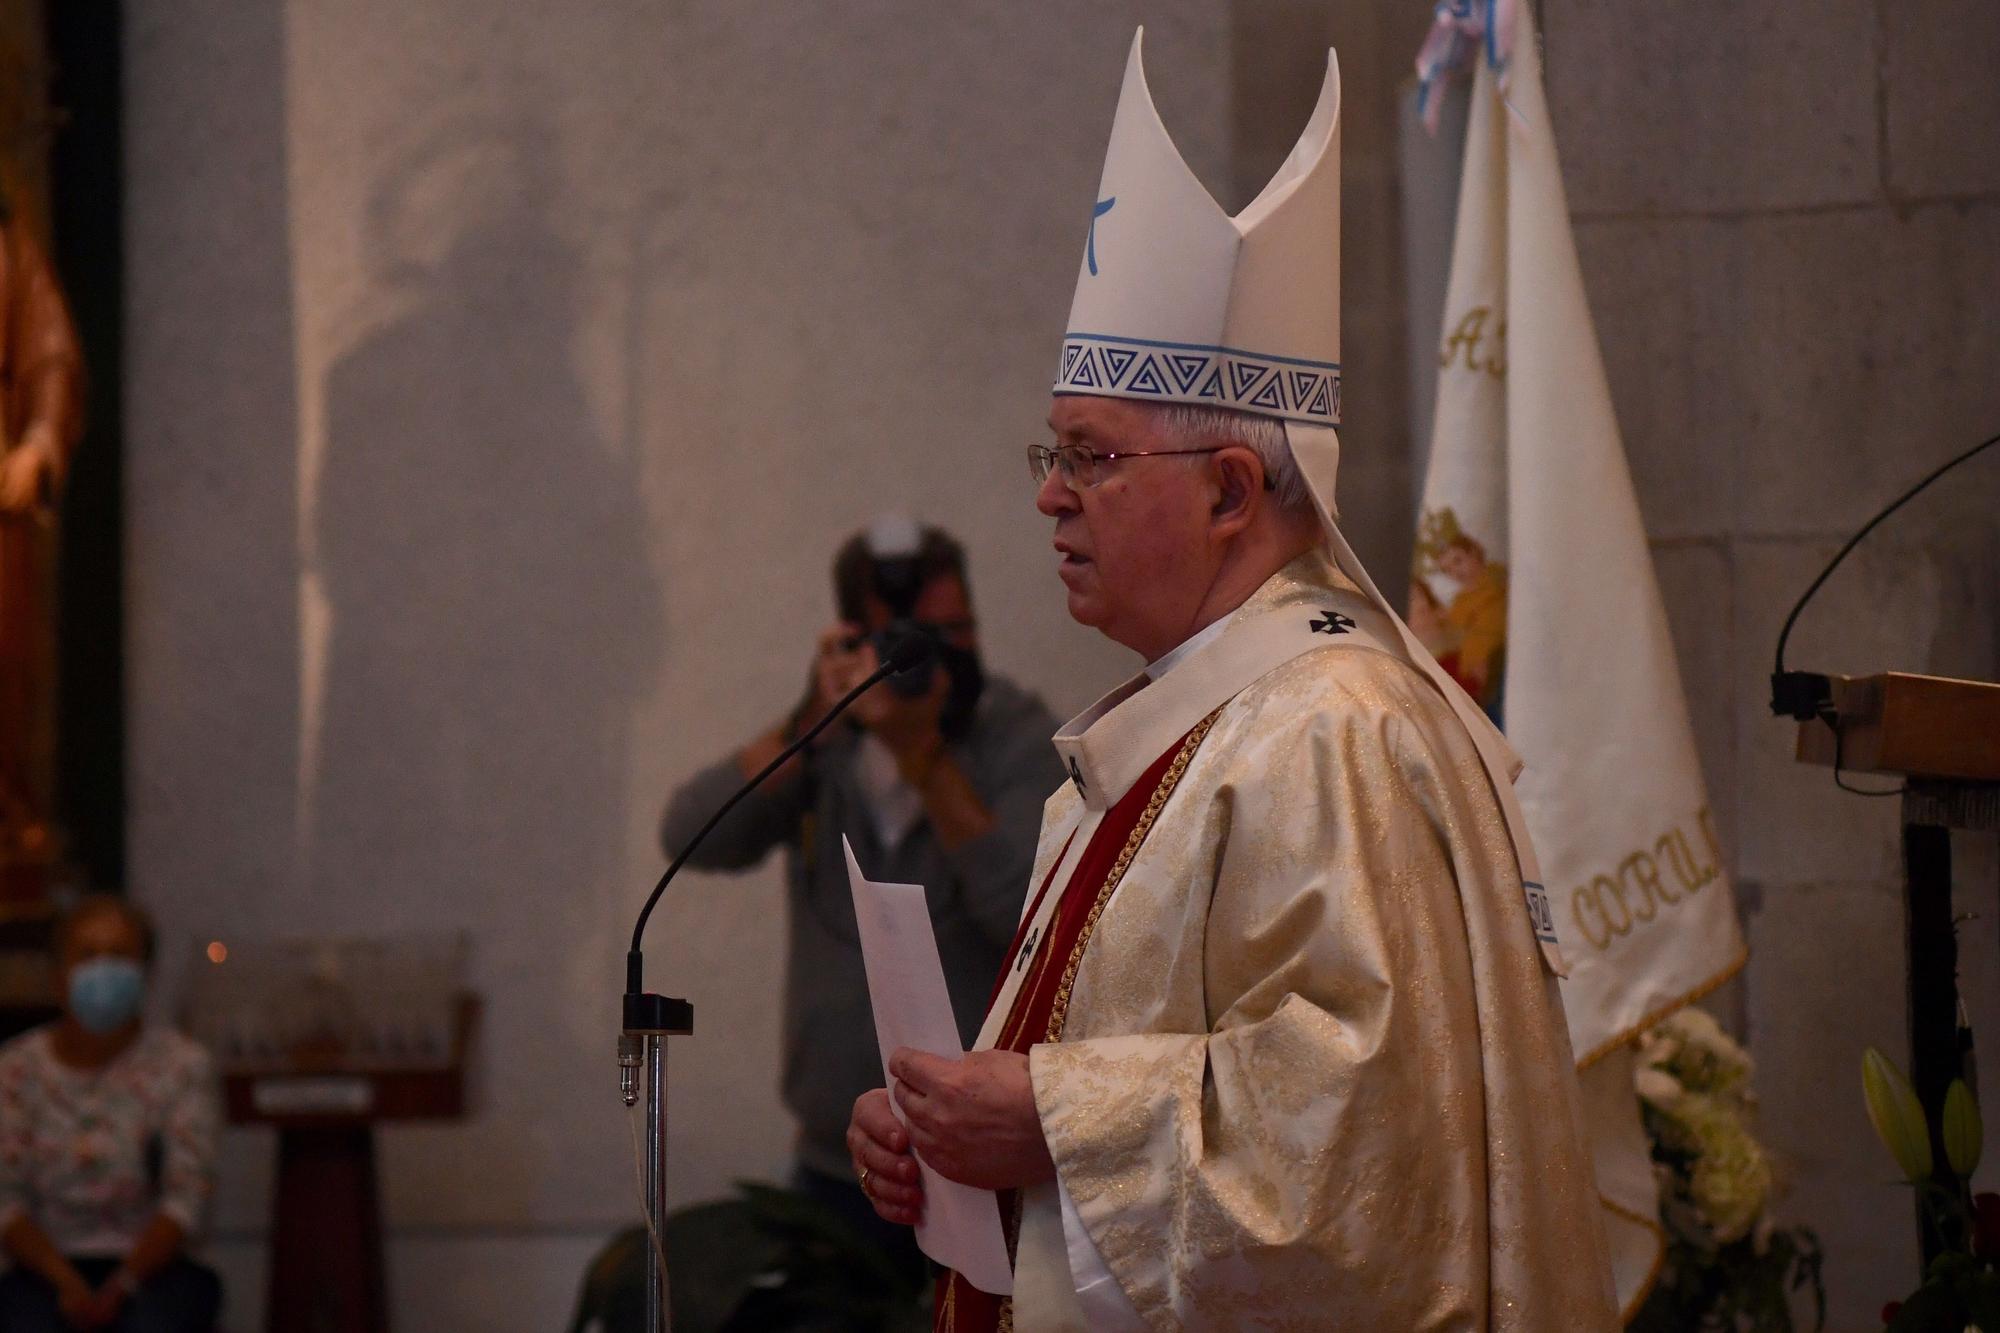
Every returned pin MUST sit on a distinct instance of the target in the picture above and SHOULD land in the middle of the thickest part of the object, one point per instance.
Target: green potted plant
(1960, 1290)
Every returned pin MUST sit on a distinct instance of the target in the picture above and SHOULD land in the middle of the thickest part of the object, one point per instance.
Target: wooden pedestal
(327, 1273)
(326, 1235)
(1942, 737)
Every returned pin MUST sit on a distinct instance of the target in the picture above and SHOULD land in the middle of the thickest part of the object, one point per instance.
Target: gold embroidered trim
(1715, 982)
(1659, 1256)
(1059, 1009)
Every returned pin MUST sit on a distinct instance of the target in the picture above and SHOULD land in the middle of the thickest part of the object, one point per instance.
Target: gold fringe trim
(1652, 1224)
(1705, 989)
(1659, 1256)
(1059, 1009)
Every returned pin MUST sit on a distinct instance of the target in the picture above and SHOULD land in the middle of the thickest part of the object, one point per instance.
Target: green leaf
(1962, 1129)
(1951, 1266)
(1930, 1309)
(1982, 1300)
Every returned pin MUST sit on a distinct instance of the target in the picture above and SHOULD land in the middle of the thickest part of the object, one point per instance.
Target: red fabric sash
(959, 1306)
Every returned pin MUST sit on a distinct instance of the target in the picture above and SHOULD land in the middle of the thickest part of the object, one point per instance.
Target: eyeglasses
(1078, 466)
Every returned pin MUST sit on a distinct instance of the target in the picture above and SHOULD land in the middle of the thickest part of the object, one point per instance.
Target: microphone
(648, 1020)
(908, 650)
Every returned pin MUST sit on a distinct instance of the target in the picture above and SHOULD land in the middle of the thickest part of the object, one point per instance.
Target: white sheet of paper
(961, 1226)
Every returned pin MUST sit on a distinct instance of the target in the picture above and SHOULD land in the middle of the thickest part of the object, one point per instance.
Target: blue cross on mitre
(1090, 245)
(1076, 776)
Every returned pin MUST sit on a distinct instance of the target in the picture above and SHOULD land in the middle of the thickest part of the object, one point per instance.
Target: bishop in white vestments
(1278, 1044)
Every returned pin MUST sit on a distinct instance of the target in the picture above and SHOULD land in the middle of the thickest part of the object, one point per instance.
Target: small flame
(218, 952)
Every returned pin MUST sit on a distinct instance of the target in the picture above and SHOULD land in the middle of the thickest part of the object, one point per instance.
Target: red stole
(1042, 1002)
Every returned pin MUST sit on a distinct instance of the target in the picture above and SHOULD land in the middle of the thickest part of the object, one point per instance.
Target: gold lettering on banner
(1708, 836)
(1694, 873)
(1471, 336)
(1638, 870)
(1612, 904)
(1659, 883)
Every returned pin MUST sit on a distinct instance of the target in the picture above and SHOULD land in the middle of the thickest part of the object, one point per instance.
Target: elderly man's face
(1136, 558)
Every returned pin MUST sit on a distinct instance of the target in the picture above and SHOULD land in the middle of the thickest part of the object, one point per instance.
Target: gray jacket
(975, 892)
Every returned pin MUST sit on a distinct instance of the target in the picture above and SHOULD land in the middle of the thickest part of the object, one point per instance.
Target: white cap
(894, 537)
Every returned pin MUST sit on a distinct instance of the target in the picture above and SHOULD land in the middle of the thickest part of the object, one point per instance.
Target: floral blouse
(92, 1155)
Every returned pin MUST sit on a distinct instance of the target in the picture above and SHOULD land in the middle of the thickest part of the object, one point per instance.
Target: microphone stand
(648, 1019)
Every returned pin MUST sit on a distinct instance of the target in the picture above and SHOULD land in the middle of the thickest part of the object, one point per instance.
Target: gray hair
(1191, 427)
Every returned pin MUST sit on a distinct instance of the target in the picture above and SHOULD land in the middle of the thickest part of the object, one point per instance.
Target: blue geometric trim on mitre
(1278, 386)
(1147, 378)
(1084, 374)
(1117, 360)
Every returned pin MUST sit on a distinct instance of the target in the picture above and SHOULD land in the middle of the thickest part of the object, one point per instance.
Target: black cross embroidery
(1027, 949)
(1076, 776)
(1334, 623)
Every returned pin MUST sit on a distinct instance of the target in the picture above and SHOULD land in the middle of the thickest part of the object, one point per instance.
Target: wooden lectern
(326, 1233)
(1942, 737)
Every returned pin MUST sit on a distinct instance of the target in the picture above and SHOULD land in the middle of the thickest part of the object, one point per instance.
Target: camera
(916, 682)
(890, 563)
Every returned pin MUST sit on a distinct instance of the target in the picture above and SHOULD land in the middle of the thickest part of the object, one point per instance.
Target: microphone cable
(911, 651)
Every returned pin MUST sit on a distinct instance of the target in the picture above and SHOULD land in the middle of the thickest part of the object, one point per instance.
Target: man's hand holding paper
(973, 1120)
(883, 1161)
(949, 1100)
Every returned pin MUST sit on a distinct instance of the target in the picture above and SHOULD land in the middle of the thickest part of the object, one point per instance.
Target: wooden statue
(41, 415)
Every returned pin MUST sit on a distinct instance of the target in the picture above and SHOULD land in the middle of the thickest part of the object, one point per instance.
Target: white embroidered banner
(1534, 587)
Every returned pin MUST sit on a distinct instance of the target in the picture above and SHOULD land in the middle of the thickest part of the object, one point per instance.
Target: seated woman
(107, 1148)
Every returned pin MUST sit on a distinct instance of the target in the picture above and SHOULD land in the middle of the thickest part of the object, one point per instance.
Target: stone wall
(1790, 229)
(1278, 50)
(502, 379)
(463, 335)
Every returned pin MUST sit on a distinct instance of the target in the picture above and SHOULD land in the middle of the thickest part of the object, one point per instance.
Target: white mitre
(1177, 302)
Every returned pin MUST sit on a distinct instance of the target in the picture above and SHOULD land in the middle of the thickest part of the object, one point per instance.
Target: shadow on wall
(494, 609)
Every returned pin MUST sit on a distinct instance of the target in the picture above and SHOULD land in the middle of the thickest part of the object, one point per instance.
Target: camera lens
(916, 682)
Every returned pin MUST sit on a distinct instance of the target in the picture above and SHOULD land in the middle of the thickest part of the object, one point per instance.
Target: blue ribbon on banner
(1460, 30)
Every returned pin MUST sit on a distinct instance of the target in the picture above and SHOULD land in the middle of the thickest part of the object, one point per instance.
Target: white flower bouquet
(1728, 1266)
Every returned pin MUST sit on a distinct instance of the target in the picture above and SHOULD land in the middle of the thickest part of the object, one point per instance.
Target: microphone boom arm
(648, 1020)
(905, 655)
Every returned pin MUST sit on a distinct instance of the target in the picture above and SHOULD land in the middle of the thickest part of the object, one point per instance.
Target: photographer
(937, 777)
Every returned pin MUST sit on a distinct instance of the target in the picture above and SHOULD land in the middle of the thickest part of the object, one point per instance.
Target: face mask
(104, 993)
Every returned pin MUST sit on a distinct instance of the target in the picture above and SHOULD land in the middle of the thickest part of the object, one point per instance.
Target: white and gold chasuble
(1312, 1070)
